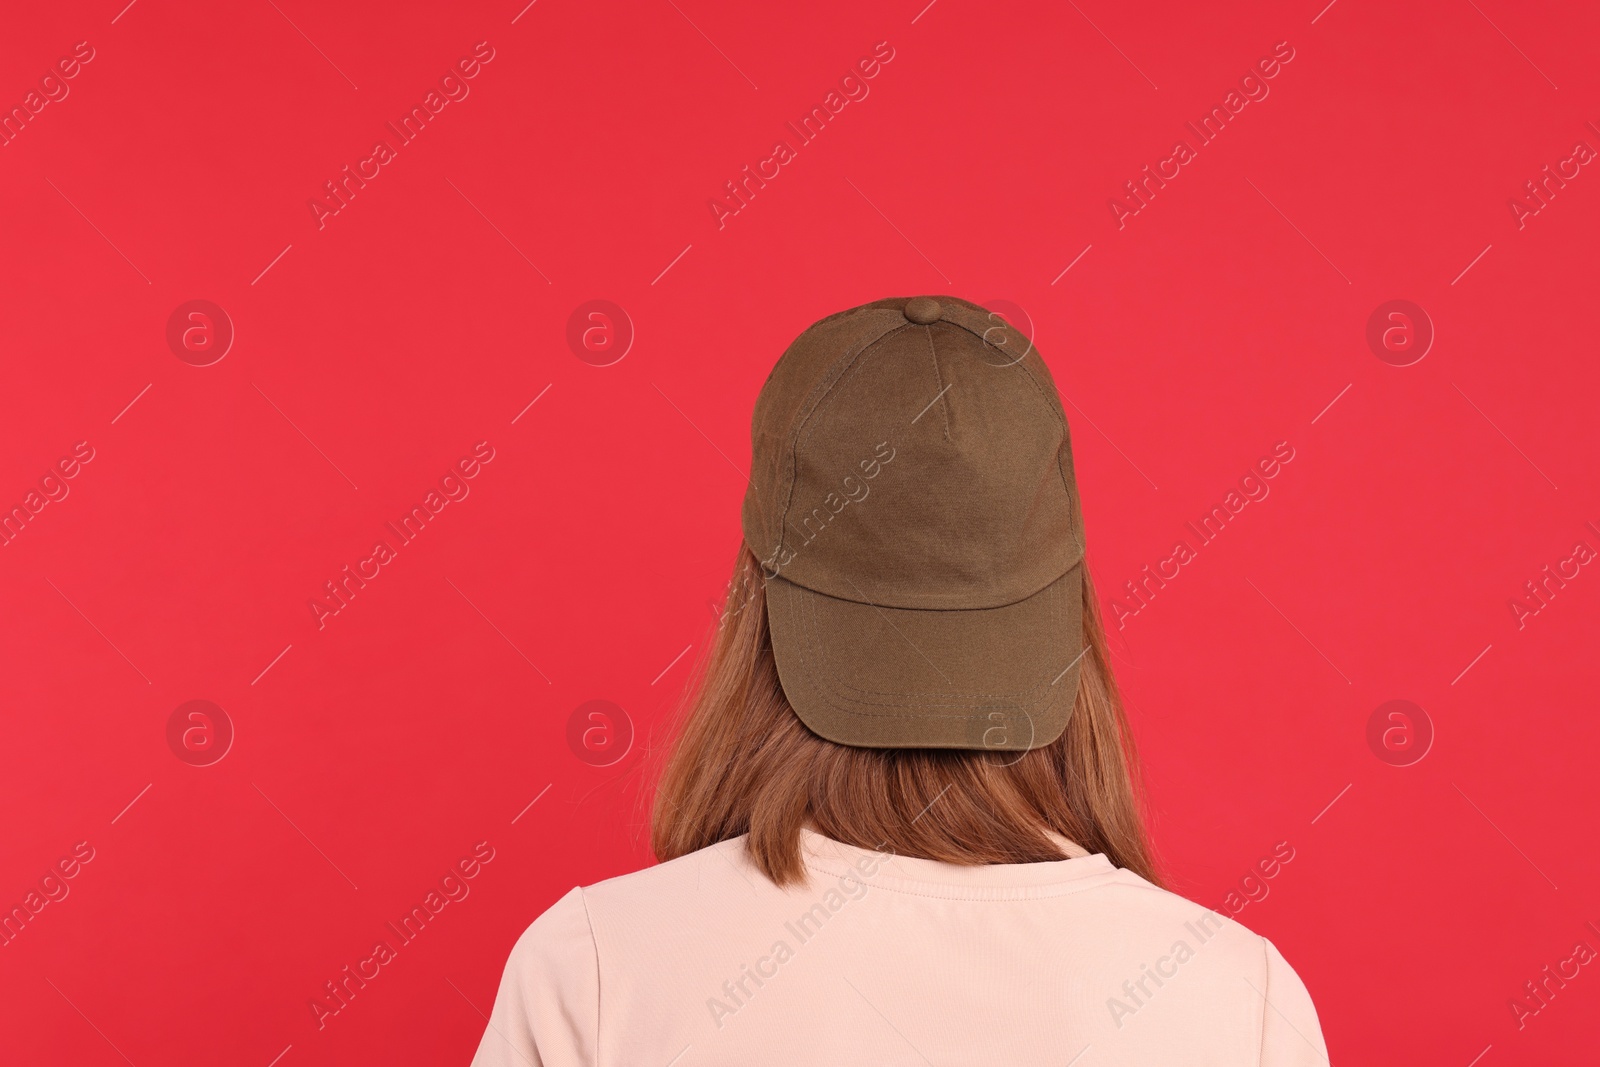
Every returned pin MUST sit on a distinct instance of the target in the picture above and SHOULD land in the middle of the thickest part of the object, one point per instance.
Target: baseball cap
(913, 505)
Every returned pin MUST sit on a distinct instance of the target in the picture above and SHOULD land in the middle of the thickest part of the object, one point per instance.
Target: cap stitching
(822, 683)
(1055, 600)
(804, 429)
(908, 698)
(1049, 395)
(851, 361)
(836, 373)
(782, 453)
(1017, 599)
(808, 617)
(938, 380)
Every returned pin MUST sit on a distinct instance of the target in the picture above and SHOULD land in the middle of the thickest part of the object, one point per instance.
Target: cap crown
(913, 462)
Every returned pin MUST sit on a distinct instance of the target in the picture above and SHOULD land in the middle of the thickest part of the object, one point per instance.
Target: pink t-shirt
(881, 959)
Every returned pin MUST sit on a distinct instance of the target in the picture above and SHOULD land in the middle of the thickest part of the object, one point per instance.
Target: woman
(899, 823)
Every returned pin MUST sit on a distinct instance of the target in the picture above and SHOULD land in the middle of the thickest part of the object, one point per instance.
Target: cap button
(922, 310)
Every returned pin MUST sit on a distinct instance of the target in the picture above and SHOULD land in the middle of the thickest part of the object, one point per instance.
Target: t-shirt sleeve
(547, 1012)
(1290, 1033)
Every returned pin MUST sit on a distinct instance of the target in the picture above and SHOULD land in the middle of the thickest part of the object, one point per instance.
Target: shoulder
(556, 954)
(1136, 904)
(1166, 934)
(664, 896)
(695, 880)
(547, 1008)
(560, 935)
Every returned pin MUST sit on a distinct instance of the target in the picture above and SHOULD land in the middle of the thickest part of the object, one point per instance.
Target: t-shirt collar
(882, 867)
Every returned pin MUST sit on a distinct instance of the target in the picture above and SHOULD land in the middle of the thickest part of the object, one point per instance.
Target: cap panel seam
(938, 380)
(849, 363)
(841, 368)
(1066, 430)
(1022, 365)
(983, 336)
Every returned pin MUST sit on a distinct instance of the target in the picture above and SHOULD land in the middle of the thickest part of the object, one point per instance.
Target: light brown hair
(743, 763)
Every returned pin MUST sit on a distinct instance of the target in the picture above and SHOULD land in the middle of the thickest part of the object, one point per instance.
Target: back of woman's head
(911, 658)
(743, 763)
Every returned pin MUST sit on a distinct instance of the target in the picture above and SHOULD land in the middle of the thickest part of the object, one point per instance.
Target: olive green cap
(913, 504)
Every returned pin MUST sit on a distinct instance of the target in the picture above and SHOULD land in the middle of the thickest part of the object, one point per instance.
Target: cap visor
(860, 674)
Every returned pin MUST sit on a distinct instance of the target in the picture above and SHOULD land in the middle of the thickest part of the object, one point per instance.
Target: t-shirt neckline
(882, 868)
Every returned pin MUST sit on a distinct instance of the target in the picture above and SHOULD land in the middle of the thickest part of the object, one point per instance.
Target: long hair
(744, 763)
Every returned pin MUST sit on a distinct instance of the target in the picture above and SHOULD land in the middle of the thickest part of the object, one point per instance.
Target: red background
(374, 352)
